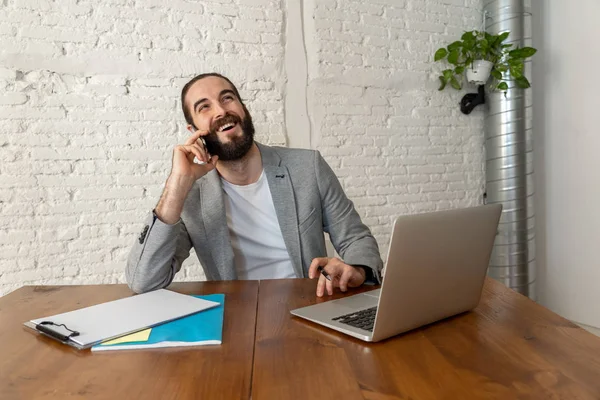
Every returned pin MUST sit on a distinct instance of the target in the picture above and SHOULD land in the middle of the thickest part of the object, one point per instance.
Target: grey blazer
(308, 200)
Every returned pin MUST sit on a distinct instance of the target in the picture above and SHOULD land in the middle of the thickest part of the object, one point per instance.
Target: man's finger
(192, 139)
(346, 276)
(316, 262)
(206, 156)
(321, 286)
(358, 277)
(192, 151)
(188, 151)
(329, 284)
(213, 160)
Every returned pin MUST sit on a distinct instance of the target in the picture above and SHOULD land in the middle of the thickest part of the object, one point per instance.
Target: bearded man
(250, 211)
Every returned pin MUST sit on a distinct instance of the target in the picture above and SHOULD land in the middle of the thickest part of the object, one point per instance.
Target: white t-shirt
(258, 247)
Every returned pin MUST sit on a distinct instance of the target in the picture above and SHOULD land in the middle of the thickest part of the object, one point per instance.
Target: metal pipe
(509, 158)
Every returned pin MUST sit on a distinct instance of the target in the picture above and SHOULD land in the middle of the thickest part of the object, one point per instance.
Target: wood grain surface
(35, 367)
(509, 347)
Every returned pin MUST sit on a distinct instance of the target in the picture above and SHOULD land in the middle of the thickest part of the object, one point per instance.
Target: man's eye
(202, 107)
(227, 98)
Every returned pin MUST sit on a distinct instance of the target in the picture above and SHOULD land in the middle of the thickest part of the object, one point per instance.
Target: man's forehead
(208, 87)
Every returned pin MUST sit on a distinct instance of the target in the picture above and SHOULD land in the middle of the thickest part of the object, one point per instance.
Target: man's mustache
(227, 118)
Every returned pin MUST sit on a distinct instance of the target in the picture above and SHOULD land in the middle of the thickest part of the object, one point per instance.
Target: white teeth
(226, 126)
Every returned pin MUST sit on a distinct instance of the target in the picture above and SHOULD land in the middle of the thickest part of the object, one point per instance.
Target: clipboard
(86, 327)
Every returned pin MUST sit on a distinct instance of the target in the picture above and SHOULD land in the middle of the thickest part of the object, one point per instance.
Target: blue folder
(203, 328)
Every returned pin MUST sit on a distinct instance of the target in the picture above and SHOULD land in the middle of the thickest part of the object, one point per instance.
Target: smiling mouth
(227, 127)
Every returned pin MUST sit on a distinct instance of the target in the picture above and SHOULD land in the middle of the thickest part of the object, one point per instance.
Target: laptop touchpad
(358, 302)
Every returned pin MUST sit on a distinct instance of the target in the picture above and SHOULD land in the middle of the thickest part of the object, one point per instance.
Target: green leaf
(447, 73)
(516, 69)
(502, 37)
(453, 57)
(468, 36)
(469, 45)
(522, 53)
(454, 83)
(459, 70)
(528, 51)
(502, 68)
(502, 86)
(440, 54)
(443, 83)
(522, 82)
(496, 74)
(455, 45)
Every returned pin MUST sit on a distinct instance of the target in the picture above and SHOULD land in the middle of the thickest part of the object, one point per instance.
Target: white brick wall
(89, 112)
(398, 145)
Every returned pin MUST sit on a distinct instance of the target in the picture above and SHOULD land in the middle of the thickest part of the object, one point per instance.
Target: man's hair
(186, 112)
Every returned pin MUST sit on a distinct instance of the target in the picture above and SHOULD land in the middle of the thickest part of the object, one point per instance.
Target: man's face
(215, 108)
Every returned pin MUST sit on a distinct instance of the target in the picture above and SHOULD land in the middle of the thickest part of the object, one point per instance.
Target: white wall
(398, 145)
(89, 113)
(567, 145)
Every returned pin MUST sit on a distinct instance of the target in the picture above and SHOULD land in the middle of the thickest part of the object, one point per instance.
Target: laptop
(436, 267)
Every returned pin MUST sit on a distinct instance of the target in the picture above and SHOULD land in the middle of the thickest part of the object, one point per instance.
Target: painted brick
(89, 114)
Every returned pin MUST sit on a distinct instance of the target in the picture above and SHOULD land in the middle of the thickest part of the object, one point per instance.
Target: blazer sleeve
(351, 238)
(157, 255)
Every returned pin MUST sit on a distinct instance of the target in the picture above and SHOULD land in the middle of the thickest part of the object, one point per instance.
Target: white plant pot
(480, 72)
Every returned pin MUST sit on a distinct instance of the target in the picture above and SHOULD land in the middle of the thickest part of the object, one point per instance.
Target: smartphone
(196, 161)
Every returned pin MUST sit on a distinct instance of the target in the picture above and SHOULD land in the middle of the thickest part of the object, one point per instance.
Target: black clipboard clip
(43, 327)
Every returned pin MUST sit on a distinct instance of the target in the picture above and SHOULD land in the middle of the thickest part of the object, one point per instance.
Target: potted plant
(480, 55)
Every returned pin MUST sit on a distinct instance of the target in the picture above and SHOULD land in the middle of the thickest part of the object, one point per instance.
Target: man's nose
(219, 111)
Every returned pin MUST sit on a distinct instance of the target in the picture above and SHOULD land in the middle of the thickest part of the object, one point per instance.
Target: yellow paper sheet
(140, 336)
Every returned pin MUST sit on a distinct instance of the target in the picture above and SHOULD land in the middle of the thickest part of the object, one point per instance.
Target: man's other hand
(342, 275)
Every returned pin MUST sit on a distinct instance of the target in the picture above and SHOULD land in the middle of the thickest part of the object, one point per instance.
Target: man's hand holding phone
(184, 172)
(185, 155)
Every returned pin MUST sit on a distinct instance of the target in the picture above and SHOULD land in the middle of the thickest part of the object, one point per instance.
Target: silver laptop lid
(435, 267)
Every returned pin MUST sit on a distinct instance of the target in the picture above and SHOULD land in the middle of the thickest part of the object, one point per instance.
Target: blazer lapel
(282, 193)
(215, 225)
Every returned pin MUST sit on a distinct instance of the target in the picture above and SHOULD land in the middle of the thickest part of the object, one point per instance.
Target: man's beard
(238, 146)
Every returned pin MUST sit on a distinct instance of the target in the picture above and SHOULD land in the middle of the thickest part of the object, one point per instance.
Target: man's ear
(191, 128)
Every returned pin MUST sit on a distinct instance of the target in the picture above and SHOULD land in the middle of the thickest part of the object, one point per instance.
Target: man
(250, 211)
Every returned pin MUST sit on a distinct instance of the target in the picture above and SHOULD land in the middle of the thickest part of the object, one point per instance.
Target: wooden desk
(508, 348)
(35, 367)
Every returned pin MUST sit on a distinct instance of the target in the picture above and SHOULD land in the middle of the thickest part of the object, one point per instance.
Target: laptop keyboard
(363, 319)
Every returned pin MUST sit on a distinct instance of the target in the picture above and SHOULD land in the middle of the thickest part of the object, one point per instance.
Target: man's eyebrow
(226, 91)
(196, 104)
